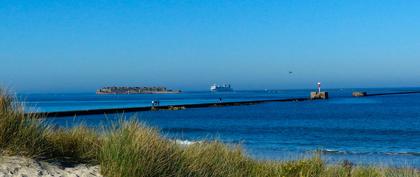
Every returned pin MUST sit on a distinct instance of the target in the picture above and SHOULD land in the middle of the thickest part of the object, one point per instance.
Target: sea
(377, 130)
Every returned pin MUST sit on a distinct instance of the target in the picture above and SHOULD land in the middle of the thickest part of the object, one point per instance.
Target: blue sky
(54, 46)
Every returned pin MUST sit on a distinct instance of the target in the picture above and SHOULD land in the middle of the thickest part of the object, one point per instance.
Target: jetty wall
(154, 108)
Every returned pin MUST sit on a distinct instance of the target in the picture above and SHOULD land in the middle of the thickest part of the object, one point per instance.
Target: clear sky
(70, 45)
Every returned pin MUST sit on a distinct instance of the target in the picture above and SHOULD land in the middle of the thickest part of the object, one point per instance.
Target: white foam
(186, 142)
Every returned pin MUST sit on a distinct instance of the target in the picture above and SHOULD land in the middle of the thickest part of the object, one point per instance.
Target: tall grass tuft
(79, 144)
(216, 159)
(306, 167)
(400, 172)
(20, 134)
(132, 149)
(26, 135)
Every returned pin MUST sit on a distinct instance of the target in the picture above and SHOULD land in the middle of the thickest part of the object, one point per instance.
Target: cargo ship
(136, 90)
(221, 88)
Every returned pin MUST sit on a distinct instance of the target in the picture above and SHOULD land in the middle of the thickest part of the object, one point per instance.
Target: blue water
(382, 130)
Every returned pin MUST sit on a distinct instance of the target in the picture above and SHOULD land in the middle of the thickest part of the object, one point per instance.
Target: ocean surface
(379, 130)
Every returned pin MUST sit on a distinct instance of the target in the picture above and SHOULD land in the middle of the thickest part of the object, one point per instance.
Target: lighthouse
(319, 87)
(318, 94)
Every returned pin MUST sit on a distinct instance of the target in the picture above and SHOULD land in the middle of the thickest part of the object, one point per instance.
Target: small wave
(186, 142)
(183, 130)
(339, 152)
(404, 153)
(332, 151)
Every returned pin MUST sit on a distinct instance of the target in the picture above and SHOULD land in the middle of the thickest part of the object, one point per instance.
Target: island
(136, 90)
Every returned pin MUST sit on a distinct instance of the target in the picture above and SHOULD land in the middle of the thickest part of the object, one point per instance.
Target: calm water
(373, 130)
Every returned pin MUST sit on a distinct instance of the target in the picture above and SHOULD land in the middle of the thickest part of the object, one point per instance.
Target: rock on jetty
(359, 94)
(319, 95)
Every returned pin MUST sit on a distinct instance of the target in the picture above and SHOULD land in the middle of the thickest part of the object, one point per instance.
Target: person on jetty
(155, 103)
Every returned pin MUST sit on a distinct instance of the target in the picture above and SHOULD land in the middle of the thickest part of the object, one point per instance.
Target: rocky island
(136, 90)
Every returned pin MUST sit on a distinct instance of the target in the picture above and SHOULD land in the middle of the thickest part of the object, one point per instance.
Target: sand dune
(21, 166)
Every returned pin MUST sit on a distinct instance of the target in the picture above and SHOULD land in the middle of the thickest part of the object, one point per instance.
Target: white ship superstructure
(221, 88)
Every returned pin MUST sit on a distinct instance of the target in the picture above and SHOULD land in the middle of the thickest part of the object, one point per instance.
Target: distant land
(136, 90)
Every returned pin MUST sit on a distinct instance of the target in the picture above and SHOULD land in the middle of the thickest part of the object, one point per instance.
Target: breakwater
(393, 93)
(154, 108)
(187, 106)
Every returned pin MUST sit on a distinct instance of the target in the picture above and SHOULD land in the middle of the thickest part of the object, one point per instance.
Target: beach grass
(78, 145)
(21, 134)
(129, 148)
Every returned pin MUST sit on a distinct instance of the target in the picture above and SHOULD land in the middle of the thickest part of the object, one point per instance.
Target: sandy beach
(21, 166)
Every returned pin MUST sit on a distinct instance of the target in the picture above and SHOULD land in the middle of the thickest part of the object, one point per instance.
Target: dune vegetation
(128, 148)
